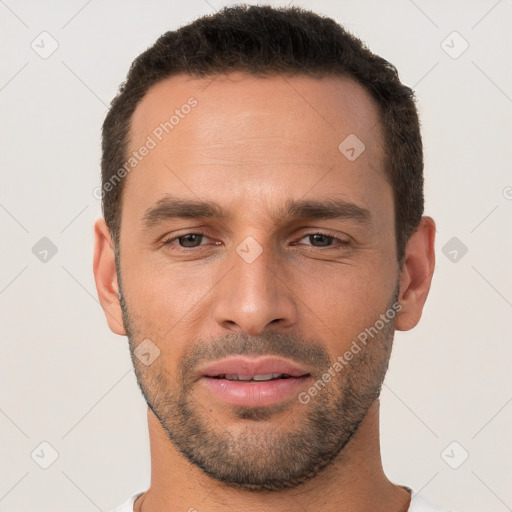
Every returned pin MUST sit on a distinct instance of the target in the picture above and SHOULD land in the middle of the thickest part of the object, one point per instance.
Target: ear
(416, 274)
(105, 276)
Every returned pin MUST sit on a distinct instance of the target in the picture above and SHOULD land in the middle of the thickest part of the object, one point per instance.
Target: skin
(250, 145)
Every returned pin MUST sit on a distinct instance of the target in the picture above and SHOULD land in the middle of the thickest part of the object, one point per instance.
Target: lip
(254, 393)
(246, 367)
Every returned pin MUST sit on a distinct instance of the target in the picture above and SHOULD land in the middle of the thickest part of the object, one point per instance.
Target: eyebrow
(328, 208)
(169, 207)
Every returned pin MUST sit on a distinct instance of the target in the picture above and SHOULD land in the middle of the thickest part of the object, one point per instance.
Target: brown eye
(190, 240)
(186, 241)
(319, 240)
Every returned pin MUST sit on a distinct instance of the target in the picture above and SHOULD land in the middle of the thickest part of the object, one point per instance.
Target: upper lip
(245, 367)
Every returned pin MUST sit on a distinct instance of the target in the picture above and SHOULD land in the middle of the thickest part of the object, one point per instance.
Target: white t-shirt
(418, 504)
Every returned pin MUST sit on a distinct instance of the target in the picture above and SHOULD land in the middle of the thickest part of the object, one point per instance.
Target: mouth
(258, 378)
(254, 382)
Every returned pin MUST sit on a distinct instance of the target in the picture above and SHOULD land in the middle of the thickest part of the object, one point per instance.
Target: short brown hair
(265, 40)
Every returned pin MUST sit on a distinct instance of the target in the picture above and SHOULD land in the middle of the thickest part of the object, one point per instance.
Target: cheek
(342, 303)
(174, 303)
(165, 300)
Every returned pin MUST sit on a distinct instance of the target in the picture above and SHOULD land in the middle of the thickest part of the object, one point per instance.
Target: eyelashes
(173, 243)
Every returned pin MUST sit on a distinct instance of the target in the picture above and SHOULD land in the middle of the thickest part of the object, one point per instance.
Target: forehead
(237, 135)
(305, 106)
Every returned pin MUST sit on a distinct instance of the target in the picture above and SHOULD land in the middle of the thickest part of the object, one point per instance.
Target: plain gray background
(67, 381)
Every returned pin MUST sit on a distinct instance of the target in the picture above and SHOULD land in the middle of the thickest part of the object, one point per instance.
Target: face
(252, 246)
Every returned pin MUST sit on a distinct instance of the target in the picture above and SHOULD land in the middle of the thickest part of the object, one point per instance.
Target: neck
(354, 482)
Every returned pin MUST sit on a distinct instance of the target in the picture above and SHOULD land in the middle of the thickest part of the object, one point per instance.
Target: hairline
(387, 170)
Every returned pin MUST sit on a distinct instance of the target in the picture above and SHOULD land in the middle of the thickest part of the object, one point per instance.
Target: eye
(186, 241)
(319, 240)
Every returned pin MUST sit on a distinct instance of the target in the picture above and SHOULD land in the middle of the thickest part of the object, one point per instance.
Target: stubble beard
(263, 448)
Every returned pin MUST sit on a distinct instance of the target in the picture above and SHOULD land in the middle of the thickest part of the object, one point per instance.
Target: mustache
(295, 348)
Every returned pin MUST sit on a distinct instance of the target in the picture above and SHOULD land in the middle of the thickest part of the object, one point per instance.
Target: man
(263, 237)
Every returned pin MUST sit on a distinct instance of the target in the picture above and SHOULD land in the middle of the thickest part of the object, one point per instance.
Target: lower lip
(255, 393)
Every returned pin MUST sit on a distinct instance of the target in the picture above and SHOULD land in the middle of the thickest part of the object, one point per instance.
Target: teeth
(268, 376)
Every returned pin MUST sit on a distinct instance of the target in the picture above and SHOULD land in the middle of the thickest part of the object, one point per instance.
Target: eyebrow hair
(169, 207)
(328, 208)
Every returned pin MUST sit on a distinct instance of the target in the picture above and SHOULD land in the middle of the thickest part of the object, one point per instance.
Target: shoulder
(420, 504)
(127, 506)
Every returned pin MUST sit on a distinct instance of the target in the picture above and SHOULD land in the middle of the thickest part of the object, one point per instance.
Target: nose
(255, 294)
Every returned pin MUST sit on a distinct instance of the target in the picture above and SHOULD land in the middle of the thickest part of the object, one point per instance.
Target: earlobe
(105, 276)
(416, 274)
